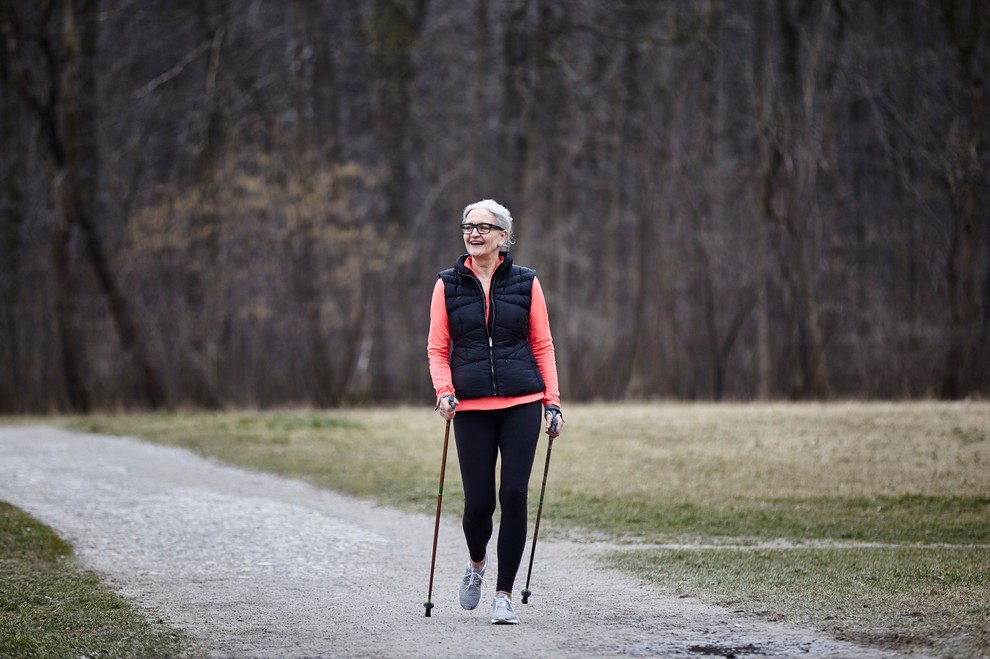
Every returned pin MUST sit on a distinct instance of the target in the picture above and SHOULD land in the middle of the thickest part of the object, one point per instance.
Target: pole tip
(428, 606)
(525, 595)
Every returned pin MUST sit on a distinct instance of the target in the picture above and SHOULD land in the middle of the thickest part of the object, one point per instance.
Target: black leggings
(481, 436)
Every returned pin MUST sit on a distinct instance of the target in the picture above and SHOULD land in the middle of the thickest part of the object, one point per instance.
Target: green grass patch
(49, 607)
(887, 519)
(910, 599)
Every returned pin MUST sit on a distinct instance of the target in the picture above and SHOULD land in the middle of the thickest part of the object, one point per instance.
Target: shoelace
(472, 579)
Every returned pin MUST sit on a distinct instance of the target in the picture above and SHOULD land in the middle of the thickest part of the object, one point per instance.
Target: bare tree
(967, 25)
(246, 203)
(67, 111)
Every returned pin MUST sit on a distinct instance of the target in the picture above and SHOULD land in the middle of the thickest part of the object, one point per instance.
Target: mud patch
(727, 652)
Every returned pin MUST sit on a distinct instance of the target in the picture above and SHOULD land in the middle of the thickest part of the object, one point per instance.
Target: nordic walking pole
(436, 528)
(536, 531)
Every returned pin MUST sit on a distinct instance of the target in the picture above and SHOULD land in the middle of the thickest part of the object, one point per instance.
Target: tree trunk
(472, 186)
(801, 34)
(64, 307)
(969, 183)
(817, 371)
(205, 274)
(75, 153)
(68, 184)
(12, 220)
(89, 160)
(763, 194)
(700, 212)
(392, 36)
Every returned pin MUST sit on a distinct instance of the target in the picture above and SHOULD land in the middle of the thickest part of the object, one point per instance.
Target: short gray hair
(503, 218)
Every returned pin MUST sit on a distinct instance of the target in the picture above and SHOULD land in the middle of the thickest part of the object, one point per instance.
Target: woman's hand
(447, 406)
(555, 421)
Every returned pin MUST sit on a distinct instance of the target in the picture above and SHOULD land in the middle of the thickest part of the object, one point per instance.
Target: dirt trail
(254, 565)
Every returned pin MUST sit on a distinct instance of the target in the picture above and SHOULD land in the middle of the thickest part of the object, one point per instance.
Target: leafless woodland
(229, 203)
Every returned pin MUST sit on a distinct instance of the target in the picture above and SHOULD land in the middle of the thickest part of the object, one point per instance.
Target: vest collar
(462, 265)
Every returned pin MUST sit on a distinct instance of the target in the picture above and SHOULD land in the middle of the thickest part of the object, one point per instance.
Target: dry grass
(707, 452)
(699, 452)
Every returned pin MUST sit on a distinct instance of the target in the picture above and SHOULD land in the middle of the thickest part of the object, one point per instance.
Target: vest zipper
(491, 350)
(489, 324)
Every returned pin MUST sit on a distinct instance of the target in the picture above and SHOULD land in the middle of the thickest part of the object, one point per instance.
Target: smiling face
(483, 246)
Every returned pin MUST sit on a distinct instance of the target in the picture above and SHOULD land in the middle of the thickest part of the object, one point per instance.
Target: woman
(491, 357)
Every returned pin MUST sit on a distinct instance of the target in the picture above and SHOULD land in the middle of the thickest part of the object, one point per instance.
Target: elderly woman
(491, 355)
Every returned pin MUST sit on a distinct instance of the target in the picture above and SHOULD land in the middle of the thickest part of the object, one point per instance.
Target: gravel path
(254, 565)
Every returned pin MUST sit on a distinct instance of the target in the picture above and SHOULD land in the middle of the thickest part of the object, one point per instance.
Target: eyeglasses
(482, 228)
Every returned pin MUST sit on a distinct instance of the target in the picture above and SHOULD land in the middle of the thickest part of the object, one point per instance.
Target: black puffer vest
(493, 359)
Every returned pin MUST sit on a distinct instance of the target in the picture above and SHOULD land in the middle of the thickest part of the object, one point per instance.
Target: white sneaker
(470, 591)
(502, 613)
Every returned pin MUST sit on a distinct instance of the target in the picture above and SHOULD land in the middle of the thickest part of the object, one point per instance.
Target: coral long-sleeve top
(540, 340)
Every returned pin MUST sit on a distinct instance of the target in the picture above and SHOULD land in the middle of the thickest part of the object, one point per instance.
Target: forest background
(245, 203)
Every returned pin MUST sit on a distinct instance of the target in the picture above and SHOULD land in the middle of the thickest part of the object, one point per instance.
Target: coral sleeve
(541, 342)
(438, 343)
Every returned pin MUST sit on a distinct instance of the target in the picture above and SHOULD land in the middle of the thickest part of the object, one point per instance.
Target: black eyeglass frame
(482, 227)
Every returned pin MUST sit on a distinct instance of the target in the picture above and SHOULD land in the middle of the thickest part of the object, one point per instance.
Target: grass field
(50, 607)
(870, 521)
